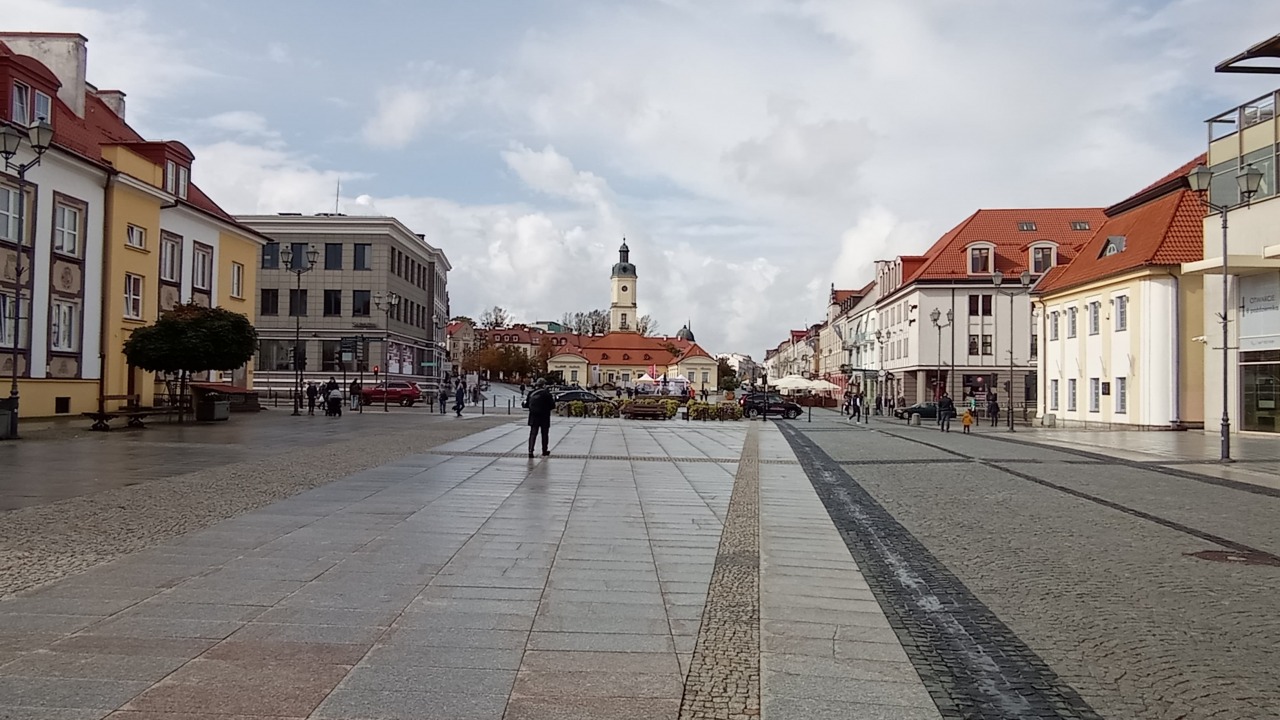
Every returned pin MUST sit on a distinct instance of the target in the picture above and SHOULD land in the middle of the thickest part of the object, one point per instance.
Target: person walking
(966, 421)
(855, 407)
(705, 395)
(946, 409)
(993, 410)
(460, 400)
(540, 403)
(312, 394)
(355, 395)
(444, 398)
(333, 398)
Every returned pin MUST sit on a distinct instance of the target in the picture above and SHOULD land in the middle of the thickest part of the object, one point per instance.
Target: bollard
(483, 405)
(811, 412)
(508, 406)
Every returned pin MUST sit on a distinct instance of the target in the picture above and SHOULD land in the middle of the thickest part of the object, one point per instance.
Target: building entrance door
(1260, 391)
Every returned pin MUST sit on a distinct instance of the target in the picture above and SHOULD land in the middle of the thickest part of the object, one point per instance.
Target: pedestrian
(444, 398)
(521, 389)
(993, 410)
(855, 407)
(966, 420)
(617, 393)
(460, 398)
(333, 401)
(540, 403)
(312, 394)
(879, 404)
(946, 409)
(705, 394)
(355, 394)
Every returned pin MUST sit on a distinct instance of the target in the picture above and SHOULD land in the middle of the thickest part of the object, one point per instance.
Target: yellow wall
(1191, 374)
(127, 206)
(236, 248)
(36, 397)
(131, 163)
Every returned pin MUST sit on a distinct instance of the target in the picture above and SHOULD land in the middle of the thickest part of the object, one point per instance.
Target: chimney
(63, 53)
(113, 99)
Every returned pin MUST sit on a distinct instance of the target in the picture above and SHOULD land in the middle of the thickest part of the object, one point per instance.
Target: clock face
(624, 288)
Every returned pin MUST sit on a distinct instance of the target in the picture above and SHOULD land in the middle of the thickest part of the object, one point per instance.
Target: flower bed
(714, 411)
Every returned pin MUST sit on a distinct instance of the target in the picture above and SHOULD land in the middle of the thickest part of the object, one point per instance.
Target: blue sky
(752, 151)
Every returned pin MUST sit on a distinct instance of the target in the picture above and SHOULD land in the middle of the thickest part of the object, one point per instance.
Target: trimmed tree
(191, 339)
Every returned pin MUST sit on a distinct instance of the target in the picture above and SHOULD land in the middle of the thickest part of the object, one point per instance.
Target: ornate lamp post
(1248, 181)
(39, 136)
(935, 315)
(386, 303)
(1024, 280)
(299, 268)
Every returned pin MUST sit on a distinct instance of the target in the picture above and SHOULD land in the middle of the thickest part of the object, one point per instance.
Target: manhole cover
(1238, 558)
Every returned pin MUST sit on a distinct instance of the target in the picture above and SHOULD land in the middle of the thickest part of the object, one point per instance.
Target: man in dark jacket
(946, 411)
(993, 410)
(540, 404)
(460, 399)
(312, 394)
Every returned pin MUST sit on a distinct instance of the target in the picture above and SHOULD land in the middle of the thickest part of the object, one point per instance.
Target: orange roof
(948, 259)
(695, 351)
(1166, 230)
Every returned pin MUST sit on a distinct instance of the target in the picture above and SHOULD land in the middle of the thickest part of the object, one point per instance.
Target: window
(332, 302)
(297, 303)
(1071, 321)
(1053, 325)
(1122, 312)
(1115, 244)
(21, 104)
(202, 268)
(64, 322)
(1026, 226)
(271, 256)
(1095, 394)
(1095, 310)
(973, 344)
(8, 214)
(66, 229)
(1041, 259)
(1035, 345)
(364, 256)
(331, 356)
(270, 302)
(1122, 395)
(1071, 395)
(184, 179)
(237, 280)
(8, 320)
(171, 177)
(980, 305)
(133, 296)
(979, 260)
(573, 376)
(299, 259)
(44, 107)
(1079, 224)
(333, 256)
(360, 303)
(623, 322)
(135, 236)
(1053, 394)
(170, 259)
(986, 345)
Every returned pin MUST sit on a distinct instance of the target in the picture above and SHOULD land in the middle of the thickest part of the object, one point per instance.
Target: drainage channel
(972, 664)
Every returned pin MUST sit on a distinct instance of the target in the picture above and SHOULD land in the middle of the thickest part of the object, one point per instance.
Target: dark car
(753, 404)
(395, 393)
(579, 396)
(926, 411)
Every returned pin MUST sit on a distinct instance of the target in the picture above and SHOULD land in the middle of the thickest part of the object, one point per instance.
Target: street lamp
(1248, 180)
(385, 303)
(935, 315)
(39, 135)
(298, 269)
(1024, 279)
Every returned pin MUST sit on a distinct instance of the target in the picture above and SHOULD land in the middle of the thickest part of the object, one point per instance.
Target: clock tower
(622, 306)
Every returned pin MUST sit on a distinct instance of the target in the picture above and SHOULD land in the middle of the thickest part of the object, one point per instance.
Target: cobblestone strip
(724, 676)
(973, 665)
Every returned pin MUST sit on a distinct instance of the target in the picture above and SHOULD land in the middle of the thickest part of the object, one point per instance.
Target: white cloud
(240, 123)
(432, 94)
(246, 178)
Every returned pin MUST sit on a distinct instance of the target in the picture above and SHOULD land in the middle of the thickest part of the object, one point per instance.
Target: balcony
(1244, 135)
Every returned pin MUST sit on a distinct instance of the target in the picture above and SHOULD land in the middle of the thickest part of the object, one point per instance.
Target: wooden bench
(634, 412)
(132, 409)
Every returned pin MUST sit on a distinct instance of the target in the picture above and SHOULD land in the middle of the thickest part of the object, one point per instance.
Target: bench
(656, 412)
(102, 417)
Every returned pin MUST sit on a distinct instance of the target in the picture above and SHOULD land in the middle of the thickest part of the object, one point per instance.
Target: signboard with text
(1260, 312)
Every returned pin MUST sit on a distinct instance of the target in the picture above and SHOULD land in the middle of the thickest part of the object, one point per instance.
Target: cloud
(248, 178)
(240, 123)
(431, 94)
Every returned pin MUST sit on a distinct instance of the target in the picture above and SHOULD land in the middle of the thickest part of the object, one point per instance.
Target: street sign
(428, 363)
(348, 356)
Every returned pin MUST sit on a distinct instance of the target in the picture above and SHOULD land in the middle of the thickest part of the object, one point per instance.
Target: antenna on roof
(336, 194)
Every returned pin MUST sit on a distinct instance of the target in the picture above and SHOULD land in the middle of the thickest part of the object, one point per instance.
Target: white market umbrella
(644, 379)
(823, 385)
(792, 382)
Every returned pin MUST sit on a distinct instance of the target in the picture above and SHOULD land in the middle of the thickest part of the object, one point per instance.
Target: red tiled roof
(948, 259)
(695, 351)
(799, 335)
(1179, 174)
(1165, 231)
(839, 296)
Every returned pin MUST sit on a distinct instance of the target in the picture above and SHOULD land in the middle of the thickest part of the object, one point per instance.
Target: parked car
(395, 393)
(926, 411)
(753, 404)
(579, 395)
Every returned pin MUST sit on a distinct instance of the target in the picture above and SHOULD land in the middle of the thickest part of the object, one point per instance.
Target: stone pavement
(644, 570)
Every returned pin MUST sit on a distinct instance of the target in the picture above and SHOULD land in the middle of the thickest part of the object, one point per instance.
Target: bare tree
(597, 322)
(495, 318)
(646, 325)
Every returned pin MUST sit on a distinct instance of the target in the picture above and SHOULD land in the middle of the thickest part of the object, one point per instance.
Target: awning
(1236, 265)
(1269, 48)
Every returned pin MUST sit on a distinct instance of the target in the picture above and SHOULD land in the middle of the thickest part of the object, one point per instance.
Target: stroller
(333, 403)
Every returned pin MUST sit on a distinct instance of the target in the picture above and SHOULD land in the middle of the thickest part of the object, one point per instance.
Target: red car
(398, 393)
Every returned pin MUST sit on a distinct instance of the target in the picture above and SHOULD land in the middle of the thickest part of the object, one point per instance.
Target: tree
(646, 325)
(546, 350)
(592, 322)
(463, 319)
(495, 318)
(726, 378)
(190, 339)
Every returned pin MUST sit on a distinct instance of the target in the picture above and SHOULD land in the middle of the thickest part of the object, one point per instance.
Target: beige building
(361, 263)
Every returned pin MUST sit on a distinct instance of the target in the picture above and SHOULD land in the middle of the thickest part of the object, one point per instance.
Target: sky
(751, 152)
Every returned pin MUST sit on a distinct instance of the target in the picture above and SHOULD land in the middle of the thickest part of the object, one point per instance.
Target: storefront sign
(1260, 312)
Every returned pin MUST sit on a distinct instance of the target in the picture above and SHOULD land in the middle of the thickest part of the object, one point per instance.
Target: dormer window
(1079, 224)
(1042, 259)
(30, 105)
(21, 103)
(176, 179)
(1026, 226)
(1114, 244)
(979, 260)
